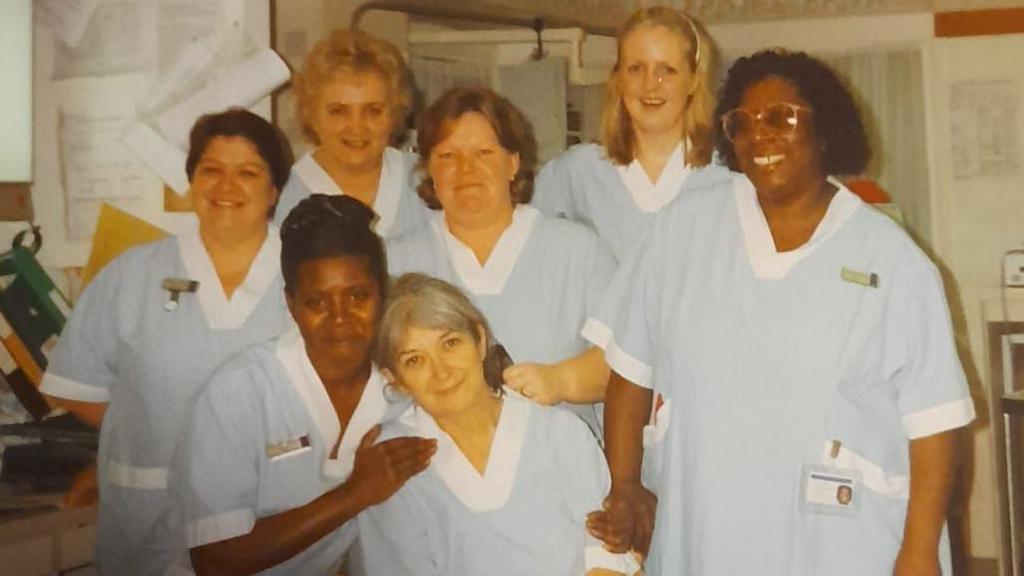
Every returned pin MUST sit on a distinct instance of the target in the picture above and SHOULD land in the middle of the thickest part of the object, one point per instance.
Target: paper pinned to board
(113, 43)
(244, 84)
(66, 18)
(95, 161)
(164, 158)
(116, 231)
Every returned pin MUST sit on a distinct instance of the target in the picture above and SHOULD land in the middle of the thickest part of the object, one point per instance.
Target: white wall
(974, 223)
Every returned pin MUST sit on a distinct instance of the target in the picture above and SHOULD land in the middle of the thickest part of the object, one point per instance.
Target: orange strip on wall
(979, 22)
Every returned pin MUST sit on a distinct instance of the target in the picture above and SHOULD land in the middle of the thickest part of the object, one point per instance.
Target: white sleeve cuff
(627, 366)
(595, 332)
(220, 527)
(62, 387)
(939, 418)
(597, 557)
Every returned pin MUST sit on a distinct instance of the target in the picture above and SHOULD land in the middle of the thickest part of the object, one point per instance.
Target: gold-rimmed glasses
(781, 119)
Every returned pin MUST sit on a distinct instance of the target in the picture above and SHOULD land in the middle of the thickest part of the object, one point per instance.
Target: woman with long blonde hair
(656, 131)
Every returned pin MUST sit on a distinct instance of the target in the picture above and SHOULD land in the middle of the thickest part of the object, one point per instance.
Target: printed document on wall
(115, 42)
(96, 164)
(984, 129)
(66, 18)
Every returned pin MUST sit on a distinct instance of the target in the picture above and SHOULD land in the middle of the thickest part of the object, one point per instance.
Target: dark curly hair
(514, 131)
(837, 123)
(323, 226)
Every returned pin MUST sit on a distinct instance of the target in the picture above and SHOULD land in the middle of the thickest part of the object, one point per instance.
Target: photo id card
(827, 490)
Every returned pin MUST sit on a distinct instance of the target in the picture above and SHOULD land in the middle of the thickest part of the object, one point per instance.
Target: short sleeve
(83, 364)
(294, 192)
(553, 189)
(932, 391)
(394, 537)
(601, 267)
(628, 315)
(215, 471)
(585, 485)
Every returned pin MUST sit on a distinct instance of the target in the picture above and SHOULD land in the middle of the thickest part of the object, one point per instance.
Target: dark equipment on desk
(49, 451)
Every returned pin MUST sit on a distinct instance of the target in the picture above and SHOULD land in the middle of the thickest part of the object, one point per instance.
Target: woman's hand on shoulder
(542, 383)
(382, 469)
(627, 519)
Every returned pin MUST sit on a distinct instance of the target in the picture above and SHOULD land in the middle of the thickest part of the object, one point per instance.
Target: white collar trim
(291, 352)
(389, 188)
(652, 196)
(491, 490)
(220, 312)
(490, 278)
(766, 262)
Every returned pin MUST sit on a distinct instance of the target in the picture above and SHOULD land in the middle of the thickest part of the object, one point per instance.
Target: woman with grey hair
(512, 482)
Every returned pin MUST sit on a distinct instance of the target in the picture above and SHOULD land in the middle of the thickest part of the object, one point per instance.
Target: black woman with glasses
(785, 380)
(280, 455)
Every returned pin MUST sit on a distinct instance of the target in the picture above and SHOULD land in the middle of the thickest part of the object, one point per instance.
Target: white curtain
(889, 88)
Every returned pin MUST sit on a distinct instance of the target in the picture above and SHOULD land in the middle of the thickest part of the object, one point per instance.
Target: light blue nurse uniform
(125, 347)
(399, 209)
(525, 514)
(618, 202)
(259, 443)
(542, 280)
(836, 354)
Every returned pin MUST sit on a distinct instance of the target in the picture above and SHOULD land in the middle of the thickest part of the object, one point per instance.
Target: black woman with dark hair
(775, 339)
(280, 455)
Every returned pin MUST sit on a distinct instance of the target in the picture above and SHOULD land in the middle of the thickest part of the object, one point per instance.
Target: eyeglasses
(781, 119)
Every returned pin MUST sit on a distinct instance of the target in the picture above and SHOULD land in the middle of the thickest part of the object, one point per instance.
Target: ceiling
(608, 14)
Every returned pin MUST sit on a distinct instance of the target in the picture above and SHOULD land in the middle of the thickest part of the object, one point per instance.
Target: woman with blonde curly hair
(656, 131)
(352, 96)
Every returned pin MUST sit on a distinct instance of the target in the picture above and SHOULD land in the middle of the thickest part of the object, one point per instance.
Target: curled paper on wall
(244, 84)
(164, 158)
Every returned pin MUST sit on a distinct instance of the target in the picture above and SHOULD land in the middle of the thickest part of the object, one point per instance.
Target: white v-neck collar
(220, 312)
(766, 262)
(652, 196)
(291, 352)
(490, 278)
(389, 189)
(491, 490)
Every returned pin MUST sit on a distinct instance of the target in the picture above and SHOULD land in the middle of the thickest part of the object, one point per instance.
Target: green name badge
(869, 279)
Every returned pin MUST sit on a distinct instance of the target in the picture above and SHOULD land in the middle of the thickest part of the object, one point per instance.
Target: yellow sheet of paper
(116, 231)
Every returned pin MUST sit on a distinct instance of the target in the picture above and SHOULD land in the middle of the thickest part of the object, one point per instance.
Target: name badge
(289, 447)
(176, 286)
(828, 490)
(868, 279)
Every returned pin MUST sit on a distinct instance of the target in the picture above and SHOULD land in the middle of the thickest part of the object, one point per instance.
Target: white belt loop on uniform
(127, 476)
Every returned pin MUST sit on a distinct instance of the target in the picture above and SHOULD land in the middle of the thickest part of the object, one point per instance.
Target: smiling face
(779, 164)
(442, 370)
(472, 173)
(336, 302)
(655, 79)
(353, 117)
(232, 189)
